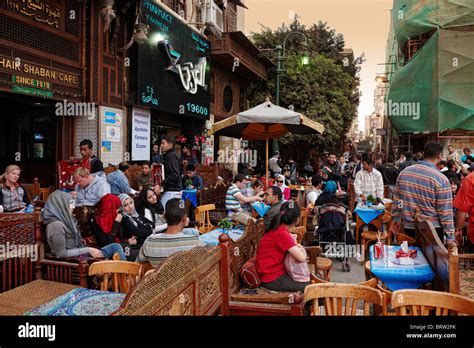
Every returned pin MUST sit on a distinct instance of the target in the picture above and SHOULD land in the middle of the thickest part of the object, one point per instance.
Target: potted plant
(371, 200)
(188, 184)
(226, 225)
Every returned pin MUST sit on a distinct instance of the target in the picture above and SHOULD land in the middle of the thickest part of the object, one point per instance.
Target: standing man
(334, 167)
(368, 181)
(452, 155)
(423, 186)
(89, 160)
(464, 203)
(155, 154)
(172, 184)
(275, 165)
(389, 173)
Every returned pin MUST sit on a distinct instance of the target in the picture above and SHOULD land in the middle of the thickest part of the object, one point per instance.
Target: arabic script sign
(173, 67)
(38, 10)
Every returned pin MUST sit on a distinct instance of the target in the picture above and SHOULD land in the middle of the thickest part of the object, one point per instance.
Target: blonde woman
(13, 197)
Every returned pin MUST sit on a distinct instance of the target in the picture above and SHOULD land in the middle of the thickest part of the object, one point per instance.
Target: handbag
(298, 271)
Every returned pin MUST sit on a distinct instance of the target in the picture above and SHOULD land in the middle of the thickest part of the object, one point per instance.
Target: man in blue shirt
(118, 181)
(196, 181)
(467, 153)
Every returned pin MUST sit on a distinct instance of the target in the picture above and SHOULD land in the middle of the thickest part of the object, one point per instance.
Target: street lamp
(281, 68)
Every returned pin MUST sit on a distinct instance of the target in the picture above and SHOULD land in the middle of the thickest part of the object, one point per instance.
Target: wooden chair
(304, 218)
(343, 299)
(426, 302)
(123, 274)
(203, 218)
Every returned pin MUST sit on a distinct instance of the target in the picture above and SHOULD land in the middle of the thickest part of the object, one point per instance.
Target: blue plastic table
(212, 238)
(397, 276)
(368, 215)
(190, 195)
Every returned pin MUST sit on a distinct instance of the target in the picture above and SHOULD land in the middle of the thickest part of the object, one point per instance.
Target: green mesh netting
(411, 18)
(435, 90)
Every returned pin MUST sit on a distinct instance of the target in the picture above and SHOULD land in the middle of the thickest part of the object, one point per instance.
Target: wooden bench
(187, 283)
(237, 300)
(454, 273)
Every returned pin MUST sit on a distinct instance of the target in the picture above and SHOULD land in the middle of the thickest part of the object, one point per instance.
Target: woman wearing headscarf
(107, 229)
(134, 225)
(63, 233)
(328, 195)
(152, 209)
(280, 182)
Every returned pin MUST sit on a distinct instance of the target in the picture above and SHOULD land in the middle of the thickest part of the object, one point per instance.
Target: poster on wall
(141, 135)
(112, 148)
(106, 146)
(112, 133)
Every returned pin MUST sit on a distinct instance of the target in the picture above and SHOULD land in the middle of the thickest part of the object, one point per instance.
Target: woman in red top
(272, 250)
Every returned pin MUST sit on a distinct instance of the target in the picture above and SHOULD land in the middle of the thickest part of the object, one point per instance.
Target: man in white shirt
(368, 181)
(275, 164)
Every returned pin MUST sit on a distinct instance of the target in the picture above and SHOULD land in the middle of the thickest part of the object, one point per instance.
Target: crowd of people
(151, 223)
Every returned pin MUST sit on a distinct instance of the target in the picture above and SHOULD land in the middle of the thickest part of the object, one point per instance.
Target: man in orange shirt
(464, 203)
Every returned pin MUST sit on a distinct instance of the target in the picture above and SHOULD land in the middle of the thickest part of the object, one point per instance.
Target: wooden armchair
(343, 299)
(454, 273)
(239, 300)
(203, 218)
(425, 302)
(187, 283)
(19, 266)
(123, 275)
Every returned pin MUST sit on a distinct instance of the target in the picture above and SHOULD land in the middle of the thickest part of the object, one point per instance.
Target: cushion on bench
(466, 282)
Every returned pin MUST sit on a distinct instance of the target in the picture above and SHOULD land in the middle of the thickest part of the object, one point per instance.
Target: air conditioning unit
(215, 16)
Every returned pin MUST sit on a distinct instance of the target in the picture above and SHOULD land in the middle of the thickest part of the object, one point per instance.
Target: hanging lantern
(107, 13)
(141, 33)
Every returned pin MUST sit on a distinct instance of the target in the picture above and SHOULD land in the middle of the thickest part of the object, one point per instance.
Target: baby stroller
(334, 233)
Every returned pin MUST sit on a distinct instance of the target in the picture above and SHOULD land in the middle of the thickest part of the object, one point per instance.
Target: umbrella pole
(266, 160)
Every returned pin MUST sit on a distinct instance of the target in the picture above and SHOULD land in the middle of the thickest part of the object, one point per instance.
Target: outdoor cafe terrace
(219, 278)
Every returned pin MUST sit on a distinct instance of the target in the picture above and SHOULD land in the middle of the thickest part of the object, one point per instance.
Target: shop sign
(141, 135)
(173, 69)
(30, 82)
(37, 10)
(32, 91)
(18, 66)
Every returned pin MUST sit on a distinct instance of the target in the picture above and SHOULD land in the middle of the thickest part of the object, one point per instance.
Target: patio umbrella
(263, 122)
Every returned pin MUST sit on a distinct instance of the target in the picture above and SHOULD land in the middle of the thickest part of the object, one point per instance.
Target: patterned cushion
(466, 282)
(257, 291)
(249, 275)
